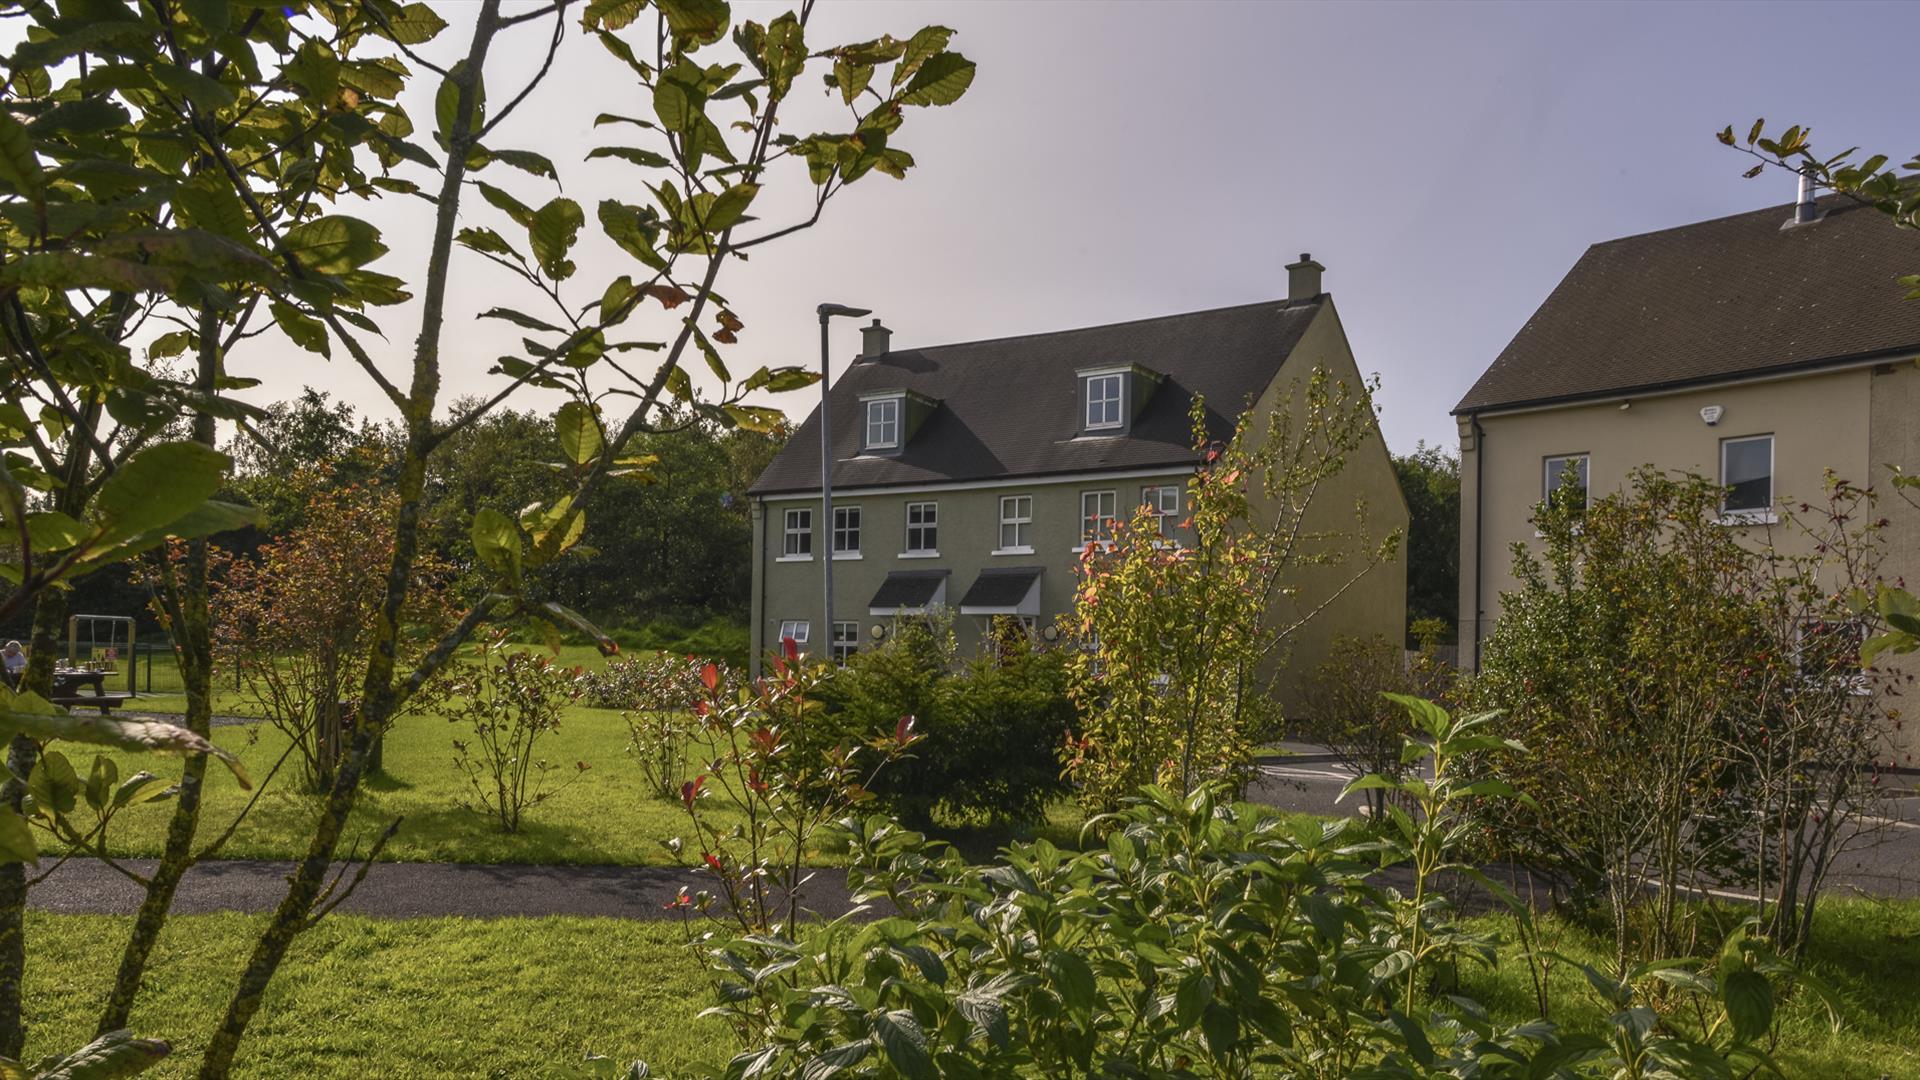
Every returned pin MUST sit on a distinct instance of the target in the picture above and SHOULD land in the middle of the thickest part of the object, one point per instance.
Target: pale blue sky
(1447, 162)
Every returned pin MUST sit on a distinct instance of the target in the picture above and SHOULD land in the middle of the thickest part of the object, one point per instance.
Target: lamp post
(827, 312)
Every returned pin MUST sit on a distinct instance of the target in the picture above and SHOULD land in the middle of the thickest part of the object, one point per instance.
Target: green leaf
(553, 230)
(699, 22)
(215, 208)
(929, 41)
(520, 318)
(29, 714)
(416, 24)
(205, 94)
(303, 330)
(644, 158)
(54, 785)
(1072, 980)
(16, 839)
(783, 54)
(158, 486)
(334, 244)
(1749, 1001)
(940, 81)
(141, 787)
(101, 781)
(447, 100)
(496, 542)
(51, 530)
(905, 1044)
(729, 205)
(579, 432)
(529, 162)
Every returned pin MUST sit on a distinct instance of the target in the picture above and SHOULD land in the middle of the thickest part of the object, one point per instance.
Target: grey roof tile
(1716, 299)
(1007, 406)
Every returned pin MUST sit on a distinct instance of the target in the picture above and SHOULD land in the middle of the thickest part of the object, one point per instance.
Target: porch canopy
(1012, 590)
(909, 592)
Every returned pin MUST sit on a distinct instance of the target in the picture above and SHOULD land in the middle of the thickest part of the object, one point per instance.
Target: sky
(1447, 162)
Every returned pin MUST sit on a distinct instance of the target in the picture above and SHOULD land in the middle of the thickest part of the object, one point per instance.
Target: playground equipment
(99, 648)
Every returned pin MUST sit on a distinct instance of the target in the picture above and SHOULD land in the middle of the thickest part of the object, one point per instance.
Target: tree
(1180, 641)
(1430, 480)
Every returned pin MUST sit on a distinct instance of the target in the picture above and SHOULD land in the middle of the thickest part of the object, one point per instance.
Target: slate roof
(909, 589)
(1713, 300)
(1000, 587)
(1008, 406)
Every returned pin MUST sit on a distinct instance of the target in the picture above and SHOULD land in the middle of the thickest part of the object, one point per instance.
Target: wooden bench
(68, 687)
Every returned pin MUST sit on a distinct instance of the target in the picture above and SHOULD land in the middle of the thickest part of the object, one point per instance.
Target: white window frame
(1853, 680)
(1091, 531)
(794, 537)
(852, 529)
(928, 527)
(1157, 496)
(1554, 465)
(883, 416)
(1117, 401)
(797, 629)
(1019, 517)
(1756, 514)
(846, 641)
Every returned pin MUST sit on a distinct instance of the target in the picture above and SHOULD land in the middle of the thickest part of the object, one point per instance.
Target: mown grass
(603, 816)
(529, 997)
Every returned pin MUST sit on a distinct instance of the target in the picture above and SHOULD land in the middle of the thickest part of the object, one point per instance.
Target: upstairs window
(1746, 471)
(798, 542)
(1164, 501)
(883, 424)
(846, 530)
(1104, 393)
(1016, 523)
(1096, 516)
(1563, 471)
(923, 528)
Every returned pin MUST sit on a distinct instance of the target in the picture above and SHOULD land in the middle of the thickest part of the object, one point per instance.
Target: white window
(1096, 515)
(1554, 476)
(1164, 501)
(799, 535)
(1746, 471)
(923, 527)
(846, 640)
(1016, 523)
(883, 424)
(1103, 400)
(846, 530)
(794, 630)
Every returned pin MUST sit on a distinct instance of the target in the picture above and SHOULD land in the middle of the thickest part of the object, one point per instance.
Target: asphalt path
(1884, 860)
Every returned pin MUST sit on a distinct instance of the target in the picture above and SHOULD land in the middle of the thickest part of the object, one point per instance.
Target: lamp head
(828, 311)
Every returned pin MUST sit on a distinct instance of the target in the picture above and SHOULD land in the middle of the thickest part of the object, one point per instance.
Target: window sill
(1736, 518)
(794, 558)
(847, 556)
(919, 555)
(1011, 551)
(1081, 549)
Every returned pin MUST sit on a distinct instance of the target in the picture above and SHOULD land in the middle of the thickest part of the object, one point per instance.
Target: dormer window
(1104, 395)
(883, 424)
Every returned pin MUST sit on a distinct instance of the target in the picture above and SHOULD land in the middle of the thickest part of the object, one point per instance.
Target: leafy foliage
(1344, 707)
(507, 699)
(1430, 480)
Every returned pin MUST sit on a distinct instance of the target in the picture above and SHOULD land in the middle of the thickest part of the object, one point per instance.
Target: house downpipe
(1479, 521)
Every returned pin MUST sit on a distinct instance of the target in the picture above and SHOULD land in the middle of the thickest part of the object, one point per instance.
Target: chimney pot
(873, 341)
(1303, 279)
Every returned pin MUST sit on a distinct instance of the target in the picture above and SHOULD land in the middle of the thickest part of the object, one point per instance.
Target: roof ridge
(1836, 200)
(1280, 304)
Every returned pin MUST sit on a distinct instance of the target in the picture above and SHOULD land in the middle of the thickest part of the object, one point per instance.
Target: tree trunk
(193, 643)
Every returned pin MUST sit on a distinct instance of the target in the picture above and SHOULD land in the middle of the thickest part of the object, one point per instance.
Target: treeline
(668, 543)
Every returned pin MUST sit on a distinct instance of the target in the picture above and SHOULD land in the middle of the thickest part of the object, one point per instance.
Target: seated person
(13, 659)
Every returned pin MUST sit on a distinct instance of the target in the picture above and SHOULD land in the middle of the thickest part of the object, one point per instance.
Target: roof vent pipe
(1805, 211)
(873, 341)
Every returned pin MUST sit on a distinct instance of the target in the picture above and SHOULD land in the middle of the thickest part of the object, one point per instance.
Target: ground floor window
(846, 641)
(795, 630)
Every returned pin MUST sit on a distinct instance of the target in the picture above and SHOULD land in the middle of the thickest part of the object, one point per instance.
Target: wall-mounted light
(878, 630)
(1712, 414)
(1051, 633)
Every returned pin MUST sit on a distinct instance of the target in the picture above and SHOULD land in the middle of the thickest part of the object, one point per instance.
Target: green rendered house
(970, 476)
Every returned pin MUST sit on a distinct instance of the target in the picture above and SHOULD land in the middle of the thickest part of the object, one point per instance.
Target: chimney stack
(1303, 280)
(873, 341)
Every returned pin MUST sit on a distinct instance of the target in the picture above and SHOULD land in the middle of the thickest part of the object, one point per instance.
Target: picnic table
(68, 684)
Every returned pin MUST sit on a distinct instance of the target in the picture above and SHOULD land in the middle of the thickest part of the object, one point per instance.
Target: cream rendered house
(969, 477)
(1760, 349)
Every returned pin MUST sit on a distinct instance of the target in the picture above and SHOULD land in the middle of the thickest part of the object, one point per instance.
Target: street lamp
(827, 312)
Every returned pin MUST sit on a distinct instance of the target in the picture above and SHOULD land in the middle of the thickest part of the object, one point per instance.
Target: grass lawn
(526, 997)
(602, 817)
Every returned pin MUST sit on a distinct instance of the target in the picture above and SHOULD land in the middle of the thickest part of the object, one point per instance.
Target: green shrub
(990, 728)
